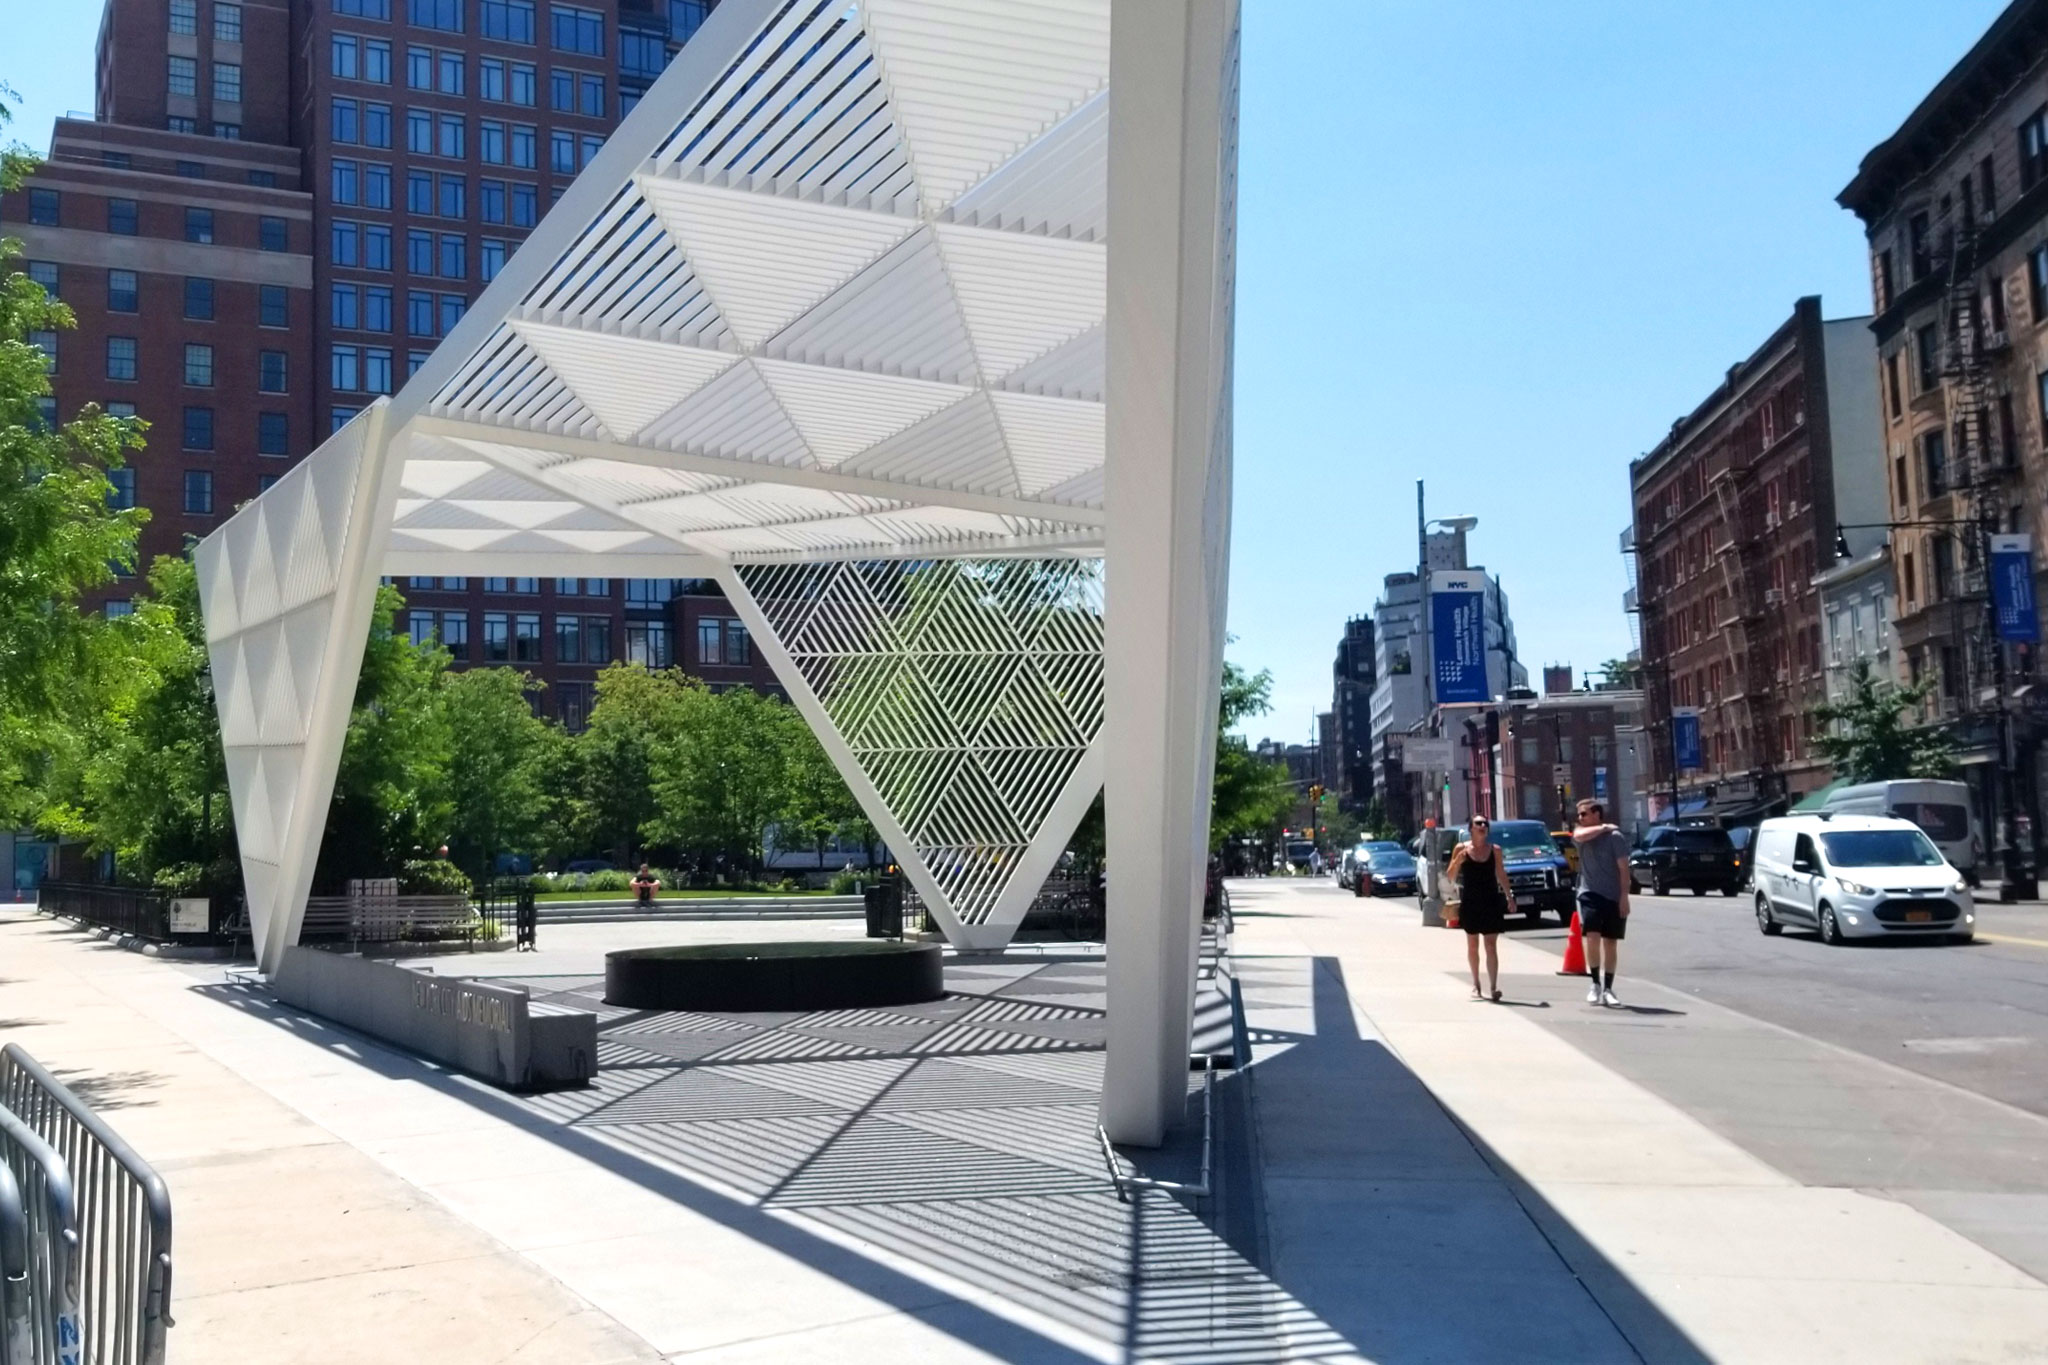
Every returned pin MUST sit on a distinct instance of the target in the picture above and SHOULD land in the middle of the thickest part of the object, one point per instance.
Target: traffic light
(1315, 792)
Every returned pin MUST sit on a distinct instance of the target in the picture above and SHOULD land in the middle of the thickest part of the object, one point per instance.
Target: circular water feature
(774, 976)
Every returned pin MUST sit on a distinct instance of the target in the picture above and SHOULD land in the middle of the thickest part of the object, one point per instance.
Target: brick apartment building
(300, 197)
(1549, 751)
(1735, 513)
(1955, 207)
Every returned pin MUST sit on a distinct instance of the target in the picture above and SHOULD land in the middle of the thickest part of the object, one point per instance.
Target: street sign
(1423, 755)
(1457, 623)
(2012, 589)
(1685, 738)
(1561, 774)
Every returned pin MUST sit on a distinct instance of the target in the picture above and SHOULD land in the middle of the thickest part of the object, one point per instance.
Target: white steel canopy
(837, 292)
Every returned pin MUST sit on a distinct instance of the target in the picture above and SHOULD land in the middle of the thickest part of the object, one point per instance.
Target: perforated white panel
(967, 693)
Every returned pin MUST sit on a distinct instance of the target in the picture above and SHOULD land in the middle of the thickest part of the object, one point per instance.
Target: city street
(1918, 1070)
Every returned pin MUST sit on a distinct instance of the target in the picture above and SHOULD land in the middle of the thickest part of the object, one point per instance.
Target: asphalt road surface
(1918, 1071)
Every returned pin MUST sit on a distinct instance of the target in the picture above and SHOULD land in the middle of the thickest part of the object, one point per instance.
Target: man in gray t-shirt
(1603, 898)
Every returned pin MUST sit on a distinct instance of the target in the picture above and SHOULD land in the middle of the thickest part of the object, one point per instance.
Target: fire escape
(1751, 696)
(1974, 476)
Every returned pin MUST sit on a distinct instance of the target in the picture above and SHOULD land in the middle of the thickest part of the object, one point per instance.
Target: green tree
(1252, 795)
(638, 714)
(58, 537)
(1866, 738)
(391, 793)
(1375, 824)
(504, 771)
(723, 777)
(1622, 672)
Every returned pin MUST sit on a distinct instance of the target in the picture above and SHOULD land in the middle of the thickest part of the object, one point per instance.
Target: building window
(273, 308)
(377, 61)
(1927, 348)
(364, 9)
(497, 638)
(452, 141)
(648, 644)
(419, 192)
(343, 306)
(377, 308)
(121, 359)
(419, 132)
(1531, 753)
(376, 185)
(43, 204)
(184, 77)
(199, 298)
(271, 372)
(525, 205)
(185, 17)
(445, 15)
(641, 54)
(45, 273)
(273, 235)
(344, 243)
(2033, 137)
(453, 306)
(46, 342)
(228, 132)
(180, 124)
(1934, 462)
(377, 369)
(346, 182)
(199, 226)
(576, 30)
(273, 433)
(573, 701)
(415, 361)
(590, 145)
(448, 68)
(649, 593)
(339, 417)
(419, 252)
(454, 196)
(419, 68)
(562, 152)
(191, 170)
(345, 57)
(122, 496)
(455, 635)
(526, 586)
(490, 142)
(121, 217)
(491, 255)
(344, 121)
(199, 428)
(199, 492)
(525, 146)
(420, 626)
(526, 638)
(1893, 384)
(419, 313)
(490, 79)
(198, 366)
(342, 368)
(507, 21)
(454, 256)
(2037, 283)
(490, 196)
(227, 83)
(376, 247)
(525, 84)
(1917, 246)
(263, 180)
(592, 90)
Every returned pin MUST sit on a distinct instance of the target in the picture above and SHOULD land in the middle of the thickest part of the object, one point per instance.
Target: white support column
(1172, 129)
(287, 587)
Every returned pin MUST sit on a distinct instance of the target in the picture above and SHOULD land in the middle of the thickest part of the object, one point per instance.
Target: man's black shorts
(1599, 915)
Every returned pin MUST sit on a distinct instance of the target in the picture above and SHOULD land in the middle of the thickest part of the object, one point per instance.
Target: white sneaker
(1610, 999)
(1593, 994)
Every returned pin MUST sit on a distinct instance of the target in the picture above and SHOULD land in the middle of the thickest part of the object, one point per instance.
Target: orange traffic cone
(1574, 951)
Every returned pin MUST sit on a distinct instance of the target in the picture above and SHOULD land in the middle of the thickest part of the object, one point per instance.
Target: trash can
(884, 904)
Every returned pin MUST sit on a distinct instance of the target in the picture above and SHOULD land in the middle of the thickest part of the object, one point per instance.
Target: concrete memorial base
(491, 1032)
(775, 976)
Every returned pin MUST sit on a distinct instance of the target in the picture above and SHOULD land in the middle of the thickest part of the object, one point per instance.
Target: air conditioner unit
(1772, 597)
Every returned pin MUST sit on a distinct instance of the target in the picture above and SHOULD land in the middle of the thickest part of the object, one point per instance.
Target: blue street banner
(1685, 738)
(2012, 589)
(1457, 629)
(1599, 784)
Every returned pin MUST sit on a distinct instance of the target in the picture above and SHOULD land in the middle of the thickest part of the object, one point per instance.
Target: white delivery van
(1940, 809)
(1857, 876)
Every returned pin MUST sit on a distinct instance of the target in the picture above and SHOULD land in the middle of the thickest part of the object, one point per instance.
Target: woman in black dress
(1483, 895)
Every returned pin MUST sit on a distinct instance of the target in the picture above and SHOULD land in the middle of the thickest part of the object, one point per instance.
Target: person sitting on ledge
(645, 883)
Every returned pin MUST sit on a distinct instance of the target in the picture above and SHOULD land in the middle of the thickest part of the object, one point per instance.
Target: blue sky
(1497, 245)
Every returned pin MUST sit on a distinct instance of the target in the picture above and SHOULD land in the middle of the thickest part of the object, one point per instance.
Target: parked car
(1347, 868)
(1387, 871)
(1858, 876)
(1541, 878)
(1700, 860)
(1941, 810)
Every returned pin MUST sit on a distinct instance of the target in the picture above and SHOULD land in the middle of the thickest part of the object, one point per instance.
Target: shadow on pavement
(1401, 1232)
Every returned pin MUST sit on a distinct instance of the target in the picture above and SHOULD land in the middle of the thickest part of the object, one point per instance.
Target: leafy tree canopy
(1866, 736)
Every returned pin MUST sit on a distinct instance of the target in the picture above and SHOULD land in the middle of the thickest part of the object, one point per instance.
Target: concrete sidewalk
(1446, 1180)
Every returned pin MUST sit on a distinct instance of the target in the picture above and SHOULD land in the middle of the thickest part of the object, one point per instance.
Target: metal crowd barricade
(17, 1298)
(119, 1253)
(52, 1334)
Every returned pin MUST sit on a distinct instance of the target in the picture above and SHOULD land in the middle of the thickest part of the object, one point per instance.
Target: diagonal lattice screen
(967, 691)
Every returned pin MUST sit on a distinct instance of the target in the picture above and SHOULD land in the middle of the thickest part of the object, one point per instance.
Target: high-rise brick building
(1735, 513)
(301, 197)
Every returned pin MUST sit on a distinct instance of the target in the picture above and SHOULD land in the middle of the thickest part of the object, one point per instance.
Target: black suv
(1701, 859)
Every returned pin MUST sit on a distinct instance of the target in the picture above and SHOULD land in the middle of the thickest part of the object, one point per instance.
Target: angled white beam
(1171, 163)
(835, 480)
(485, 564)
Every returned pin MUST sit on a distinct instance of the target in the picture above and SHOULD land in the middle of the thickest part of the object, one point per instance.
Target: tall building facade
(315, 191)
(1352, 680)
(1955, 208)
(1736, 513)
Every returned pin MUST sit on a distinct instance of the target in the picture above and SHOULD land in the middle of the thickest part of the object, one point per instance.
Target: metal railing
(119, 1252)
(17, 1302)
(130, 910)
(49, 1218)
